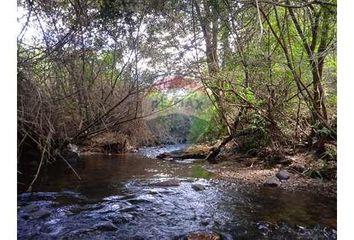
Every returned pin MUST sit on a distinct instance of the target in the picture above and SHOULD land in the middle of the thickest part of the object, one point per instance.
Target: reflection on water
(118, 198)
(199, 172)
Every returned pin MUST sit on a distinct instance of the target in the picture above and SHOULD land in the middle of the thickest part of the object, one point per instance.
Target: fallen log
(182, 156)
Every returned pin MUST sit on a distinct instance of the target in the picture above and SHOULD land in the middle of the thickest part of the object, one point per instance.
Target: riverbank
(251, 171)
(305, 170)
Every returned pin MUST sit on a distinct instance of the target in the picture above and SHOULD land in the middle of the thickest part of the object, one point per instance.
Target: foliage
(205, 126)
(256, 136)
(91, 65)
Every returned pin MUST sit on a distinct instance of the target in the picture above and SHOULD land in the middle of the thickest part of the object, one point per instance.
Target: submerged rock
(167, 183)
(283, 175)
(41, 213)
(272, 182)
(163, 156)
(129, 209)
(198, 187)
(122, 218)
(263, 227)
(138, 201)
(29, 208)
(106, 226)
(200, 236)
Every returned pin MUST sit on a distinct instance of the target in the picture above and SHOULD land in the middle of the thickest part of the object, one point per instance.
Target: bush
(205, 126)
(254, 137)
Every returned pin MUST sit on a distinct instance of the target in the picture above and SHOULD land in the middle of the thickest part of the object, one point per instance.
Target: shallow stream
(121, 197)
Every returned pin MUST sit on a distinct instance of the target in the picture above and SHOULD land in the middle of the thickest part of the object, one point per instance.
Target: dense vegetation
(268, 69)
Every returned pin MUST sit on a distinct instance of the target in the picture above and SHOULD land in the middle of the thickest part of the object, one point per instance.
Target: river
(121, 197)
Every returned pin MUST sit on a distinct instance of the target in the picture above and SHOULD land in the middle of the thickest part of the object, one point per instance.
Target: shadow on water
(121, 197)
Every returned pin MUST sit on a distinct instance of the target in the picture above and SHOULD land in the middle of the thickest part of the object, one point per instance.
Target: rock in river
(198, 187)
(283, 175)
(41, 213)
(272, 182)
(200, 236)
(71, 154)
(106, 226)
(29, 208)
(163, 156)
(167, 183)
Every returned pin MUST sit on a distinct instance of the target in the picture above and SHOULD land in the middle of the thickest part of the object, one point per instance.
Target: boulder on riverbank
(283, 175)
(272, 182)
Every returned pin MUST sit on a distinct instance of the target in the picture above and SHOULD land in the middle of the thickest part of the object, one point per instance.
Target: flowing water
(121, 197)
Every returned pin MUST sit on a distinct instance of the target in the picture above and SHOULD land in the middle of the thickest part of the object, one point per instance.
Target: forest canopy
(267, 67)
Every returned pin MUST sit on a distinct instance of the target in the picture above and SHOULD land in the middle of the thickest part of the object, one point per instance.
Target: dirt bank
(306, 171)
(252, 171)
